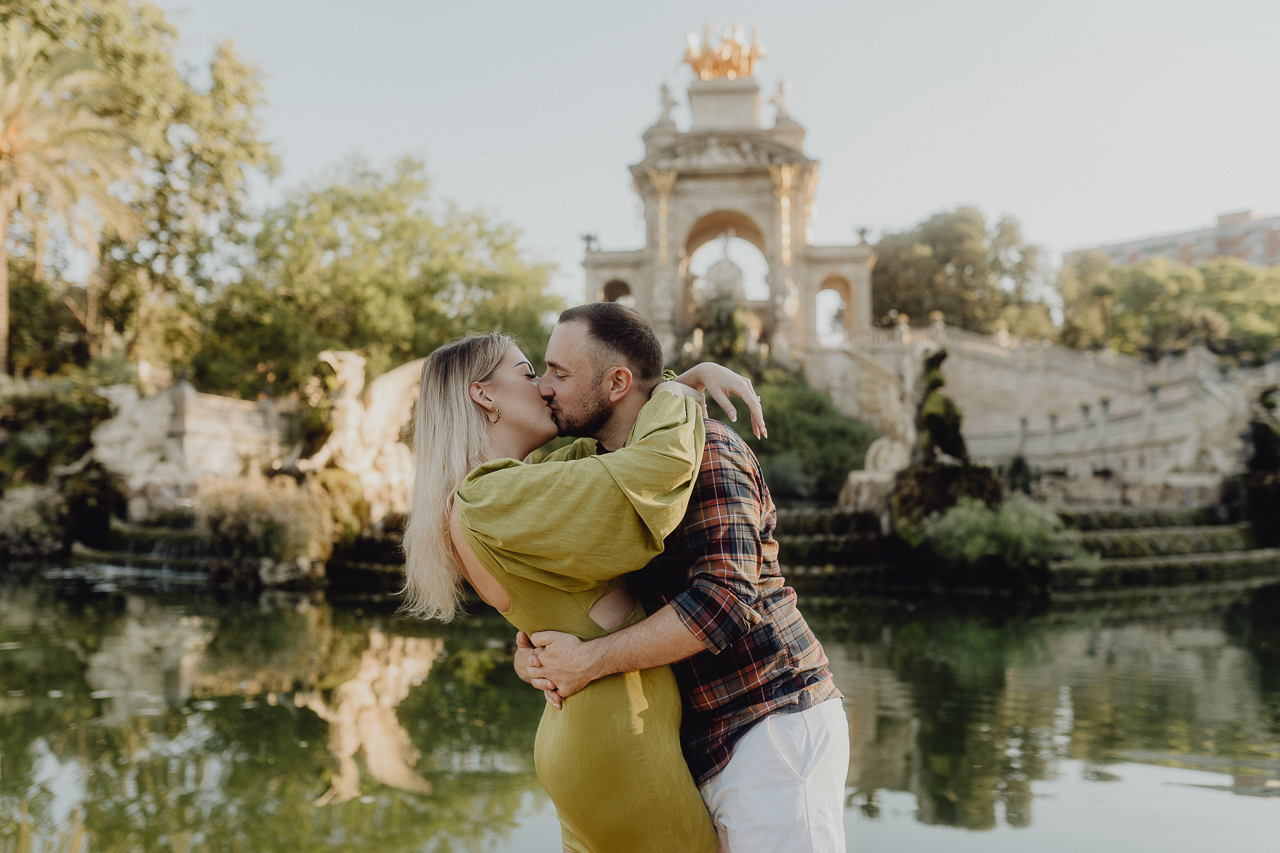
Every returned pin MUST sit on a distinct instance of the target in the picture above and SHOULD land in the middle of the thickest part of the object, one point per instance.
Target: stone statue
(779, 100)
(367, 428)
(668, 104)
(731, 58)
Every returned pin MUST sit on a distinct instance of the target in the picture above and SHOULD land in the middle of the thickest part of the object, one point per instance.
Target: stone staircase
(1158, 546)
(834, 552)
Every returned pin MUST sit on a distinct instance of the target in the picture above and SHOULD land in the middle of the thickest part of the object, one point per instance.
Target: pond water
(141, 712)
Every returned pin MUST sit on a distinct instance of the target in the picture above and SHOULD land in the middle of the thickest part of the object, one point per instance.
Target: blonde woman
(546, 545)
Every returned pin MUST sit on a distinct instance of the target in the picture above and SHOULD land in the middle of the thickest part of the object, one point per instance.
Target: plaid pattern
(720, 572)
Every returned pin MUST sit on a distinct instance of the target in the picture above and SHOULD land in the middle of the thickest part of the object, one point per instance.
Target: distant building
(1246, 235)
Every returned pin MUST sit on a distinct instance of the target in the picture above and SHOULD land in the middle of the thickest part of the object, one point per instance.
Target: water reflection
(131, 721)
(361, 715)
(136, 719)
(966, 711)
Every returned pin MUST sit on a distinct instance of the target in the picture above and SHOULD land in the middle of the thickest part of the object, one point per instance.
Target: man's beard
(587, 423)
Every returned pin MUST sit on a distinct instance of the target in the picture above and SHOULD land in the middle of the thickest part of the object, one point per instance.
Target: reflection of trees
(228, 760)
(966, 710)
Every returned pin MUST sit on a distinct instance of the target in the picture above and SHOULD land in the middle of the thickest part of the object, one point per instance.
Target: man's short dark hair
(620, 332)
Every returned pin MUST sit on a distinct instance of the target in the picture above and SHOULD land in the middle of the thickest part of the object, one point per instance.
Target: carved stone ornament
(713, 154)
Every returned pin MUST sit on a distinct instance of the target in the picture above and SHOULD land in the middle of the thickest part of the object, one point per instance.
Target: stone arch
(616, 290)
(842, 287)
(716, 223)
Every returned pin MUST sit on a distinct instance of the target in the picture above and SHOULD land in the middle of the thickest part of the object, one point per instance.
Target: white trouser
(783, 789)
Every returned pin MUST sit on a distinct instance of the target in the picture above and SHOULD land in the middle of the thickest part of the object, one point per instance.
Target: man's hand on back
(560, 665)
(525, 661)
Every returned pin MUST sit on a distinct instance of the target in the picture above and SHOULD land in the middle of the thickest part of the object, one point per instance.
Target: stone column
(783, 290)
(666, 286)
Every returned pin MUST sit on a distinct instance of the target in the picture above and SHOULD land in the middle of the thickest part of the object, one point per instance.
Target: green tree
(1230, 306)
(1248, 297)
(364, 261)
(1087, 299)
(197, 145)
(58, 157)
(953, 263)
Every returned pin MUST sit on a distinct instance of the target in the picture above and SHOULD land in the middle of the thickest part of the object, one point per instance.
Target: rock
(301, 570)
(869, 492)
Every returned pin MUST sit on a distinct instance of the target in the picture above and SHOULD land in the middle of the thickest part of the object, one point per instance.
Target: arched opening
(719, 223)
(618, 291)
(742, 254)
(833, 311)
(724, 253)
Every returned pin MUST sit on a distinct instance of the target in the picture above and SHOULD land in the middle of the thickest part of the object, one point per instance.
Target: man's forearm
(660, 639)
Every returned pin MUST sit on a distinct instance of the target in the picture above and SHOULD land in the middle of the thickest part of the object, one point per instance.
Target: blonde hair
(449, 440)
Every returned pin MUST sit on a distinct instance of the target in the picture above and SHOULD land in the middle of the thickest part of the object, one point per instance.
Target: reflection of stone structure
(362, 716)
(966, 718)
(163, 445)
(150, 666)
(367, 429)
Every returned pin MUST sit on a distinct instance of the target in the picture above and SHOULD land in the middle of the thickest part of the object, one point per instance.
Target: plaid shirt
(720, 571)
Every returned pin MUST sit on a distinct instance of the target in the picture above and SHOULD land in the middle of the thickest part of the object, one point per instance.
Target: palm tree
(59, 159)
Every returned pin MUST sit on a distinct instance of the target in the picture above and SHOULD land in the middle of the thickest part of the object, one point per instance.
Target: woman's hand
(682, 389)
(720, 382)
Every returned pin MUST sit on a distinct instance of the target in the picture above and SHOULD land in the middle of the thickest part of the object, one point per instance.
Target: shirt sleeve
(580, 449)
(722, 534)
(572, 523)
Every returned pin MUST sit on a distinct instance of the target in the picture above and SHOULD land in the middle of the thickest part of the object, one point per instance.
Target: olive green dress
(557, 536)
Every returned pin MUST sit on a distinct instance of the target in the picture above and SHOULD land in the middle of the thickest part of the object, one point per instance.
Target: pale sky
(1088, 121)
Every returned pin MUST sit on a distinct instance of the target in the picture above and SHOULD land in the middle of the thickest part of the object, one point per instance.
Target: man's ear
(617, 383)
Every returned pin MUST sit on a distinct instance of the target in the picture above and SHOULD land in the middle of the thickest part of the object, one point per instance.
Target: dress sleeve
(571, 523)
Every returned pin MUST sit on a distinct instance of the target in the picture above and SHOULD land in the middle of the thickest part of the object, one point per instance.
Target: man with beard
(763, 728)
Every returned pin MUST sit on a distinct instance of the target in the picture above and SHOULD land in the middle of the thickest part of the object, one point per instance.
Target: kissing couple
(689, 705)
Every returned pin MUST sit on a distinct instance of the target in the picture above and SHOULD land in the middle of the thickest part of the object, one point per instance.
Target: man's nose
(544, 388)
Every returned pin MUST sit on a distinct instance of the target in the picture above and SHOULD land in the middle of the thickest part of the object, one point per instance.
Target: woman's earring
(495, 420)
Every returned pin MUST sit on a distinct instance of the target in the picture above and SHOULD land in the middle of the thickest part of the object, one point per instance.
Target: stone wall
(1084, 413)
(163, 445)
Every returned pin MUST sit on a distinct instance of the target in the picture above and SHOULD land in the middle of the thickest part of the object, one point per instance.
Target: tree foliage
(363, 261)
(975, 275)
(59, 158)
(196, 146)
(1230, 306)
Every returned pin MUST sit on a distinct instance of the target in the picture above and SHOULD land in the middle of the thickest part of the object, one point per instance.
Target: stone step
(1161, 541)
(158, 543)
(1138, 517)
(824, 521)
(851, 549)
(1168, 570)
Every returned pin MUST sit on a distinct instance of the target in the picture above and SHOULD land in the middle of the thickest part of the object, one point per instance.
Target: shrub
(1019, 531)
(347, 506)
(277, 518)
(921, 491)
(44, 425)
(31, 522)
(811, 446)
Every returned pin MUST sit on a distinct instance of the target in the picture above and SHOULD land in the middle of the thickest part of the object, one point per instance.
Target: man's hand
(561, 664)
(524, 660)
